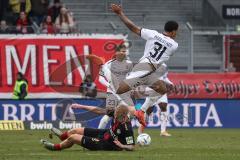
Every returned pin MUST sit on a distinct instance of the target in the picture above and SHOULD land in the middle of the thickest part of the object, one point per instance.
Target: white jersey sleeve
(175, 47)
(148, 34)
(103, 79)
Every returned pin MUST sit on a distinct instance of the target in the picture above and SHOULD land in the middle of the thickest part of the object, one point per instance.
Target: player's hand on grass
(116, 8)
(118, 143)
(126, 147)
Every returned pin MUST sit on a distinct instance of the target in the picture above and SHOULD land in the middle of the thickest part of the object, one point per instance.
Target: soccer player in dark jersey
(118, 137)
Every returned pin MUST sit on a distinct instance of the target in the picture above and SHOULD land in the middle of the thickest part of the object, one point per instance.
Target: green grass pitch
(185, 144)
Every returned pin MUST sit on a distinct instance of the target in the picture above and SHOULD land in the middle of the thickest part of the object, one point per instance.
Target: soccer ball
(144, 139)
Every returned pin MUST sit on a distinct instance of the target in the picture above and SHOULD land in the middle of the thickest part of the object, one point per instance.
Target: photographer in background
(88, 87)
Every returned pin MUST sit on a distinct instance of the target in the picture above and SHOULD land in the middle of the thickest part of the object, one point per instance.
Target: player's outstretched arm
(93, 109)
(118, 10)
(126, 147)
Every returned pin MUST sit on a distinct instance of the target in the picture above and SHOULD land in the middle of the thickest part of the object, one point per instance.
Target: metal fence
(211, 50)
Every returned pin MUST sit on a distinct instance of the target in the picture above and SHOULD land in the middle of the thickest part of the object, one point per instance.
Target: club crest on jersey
(118, 131)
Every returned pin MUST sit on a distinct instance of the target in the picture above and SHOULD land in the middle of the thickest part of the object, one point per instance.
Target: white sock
(149, 101)
(163, 119)
(103, 122)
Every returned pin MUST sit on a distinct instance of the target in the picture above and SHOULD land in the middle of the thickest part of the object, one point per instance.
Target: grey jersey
(119, 70)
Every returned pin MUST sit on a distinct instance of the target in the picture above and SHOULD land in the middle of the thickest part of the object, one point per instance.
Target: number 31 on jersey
(159, 49)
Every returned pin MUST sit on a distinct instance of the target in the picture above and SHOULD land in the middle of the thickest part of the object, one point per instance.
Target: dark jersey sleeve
(123, 132)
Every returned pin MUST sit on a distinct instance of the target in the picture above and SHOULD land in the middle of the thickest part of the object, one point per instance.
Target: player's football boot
(48, 145)
(139, 114)
(56, 132)
(165, 134)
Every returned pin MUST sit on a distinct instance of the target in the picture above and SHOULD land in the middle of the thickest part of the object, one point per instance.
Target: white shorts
(141, 74)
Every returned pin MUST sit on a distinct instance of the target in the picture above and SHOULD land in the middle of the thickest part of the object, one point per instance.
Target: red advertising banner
(205, 85)
(52, 64)
(57, 64)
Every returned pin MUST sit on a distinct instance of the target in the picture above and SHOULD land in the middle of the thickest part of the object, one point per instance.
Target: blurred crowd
(24, 16)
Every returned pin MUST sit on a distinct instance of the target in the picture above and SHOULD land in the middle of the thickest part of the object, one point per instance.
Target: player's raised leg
(153, 96)
(160, 87)
(123, 88)
(149, 102)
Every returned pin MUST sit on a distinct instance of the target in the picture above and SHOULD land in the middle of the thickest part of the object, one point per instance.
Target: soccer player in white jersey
(158, 49)
(119, 67)
(162, 102)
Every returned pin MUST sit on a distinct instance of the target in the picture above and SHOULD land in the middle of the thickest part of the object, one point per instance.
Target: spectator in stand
(47, 25)
(54, 10)
(3, 8)
(64, 22)
(39, 10)
(20, 6)
(231, 68)
(74, 21)
(6, 13)
(23, 24)
(88, 87)
(3, 27)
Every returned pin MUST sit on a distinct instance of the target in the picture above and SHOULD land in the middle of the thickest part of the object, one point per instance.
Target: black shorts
(93, 140)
